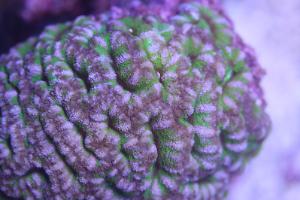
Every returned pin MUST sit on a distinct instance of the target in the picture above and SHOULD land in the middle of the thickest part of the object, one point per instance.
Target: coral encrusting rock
(121, 106)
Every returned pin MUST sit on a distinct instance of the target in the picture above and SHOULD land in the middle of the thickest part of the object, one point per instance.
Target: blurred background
(272, 27)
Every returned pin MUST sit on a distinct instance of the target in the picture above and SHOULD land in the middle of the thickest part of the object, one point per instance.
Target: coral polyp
(121, 106)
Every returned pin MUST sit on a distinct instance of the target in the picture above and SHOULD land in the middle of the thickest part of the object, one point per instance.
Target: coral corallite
(130, 106)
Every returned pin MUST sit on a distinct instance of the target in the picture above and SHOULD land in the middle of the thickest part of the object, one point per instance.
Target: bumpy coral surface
(122, 106)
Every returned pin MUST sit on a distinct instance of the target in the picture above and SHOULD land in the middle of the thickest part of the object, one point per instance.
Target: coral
(33, 10)
(127, 105)
(20, 19)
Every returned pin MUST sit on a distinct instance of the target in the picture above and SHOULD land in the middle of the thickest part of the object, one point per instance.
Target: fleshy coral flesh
(121, 106)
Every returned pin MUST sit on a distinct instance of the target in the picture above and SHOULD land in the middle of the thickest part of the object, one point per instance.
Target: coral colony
(130, 106)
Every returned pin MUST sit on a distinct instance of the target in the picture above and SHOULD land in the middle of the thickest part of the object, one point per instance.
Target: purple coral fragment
(128, 105)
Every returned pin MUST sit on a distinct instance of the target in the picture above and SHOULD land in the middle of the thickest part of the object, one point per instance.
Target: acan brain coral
(121, 106)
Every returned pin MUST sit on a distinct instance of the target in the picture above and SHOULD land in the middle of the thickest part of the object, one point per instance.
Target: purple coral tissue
(130, 104)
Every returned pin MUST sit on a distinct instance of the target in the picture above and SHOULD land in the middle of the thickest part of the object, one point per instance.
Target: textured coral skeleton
(130, 106)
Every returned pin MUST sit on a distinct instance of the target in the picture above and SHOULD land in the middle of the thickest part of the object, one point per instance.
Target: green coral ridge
(131, 107)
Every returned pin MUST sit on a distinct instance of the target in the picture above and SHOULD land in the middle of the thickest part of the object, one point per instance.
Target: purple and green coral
(121, 106)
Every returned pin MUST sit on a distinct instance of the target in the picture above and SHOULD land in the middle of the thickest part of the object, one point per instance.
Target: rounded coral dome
(130, 107)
